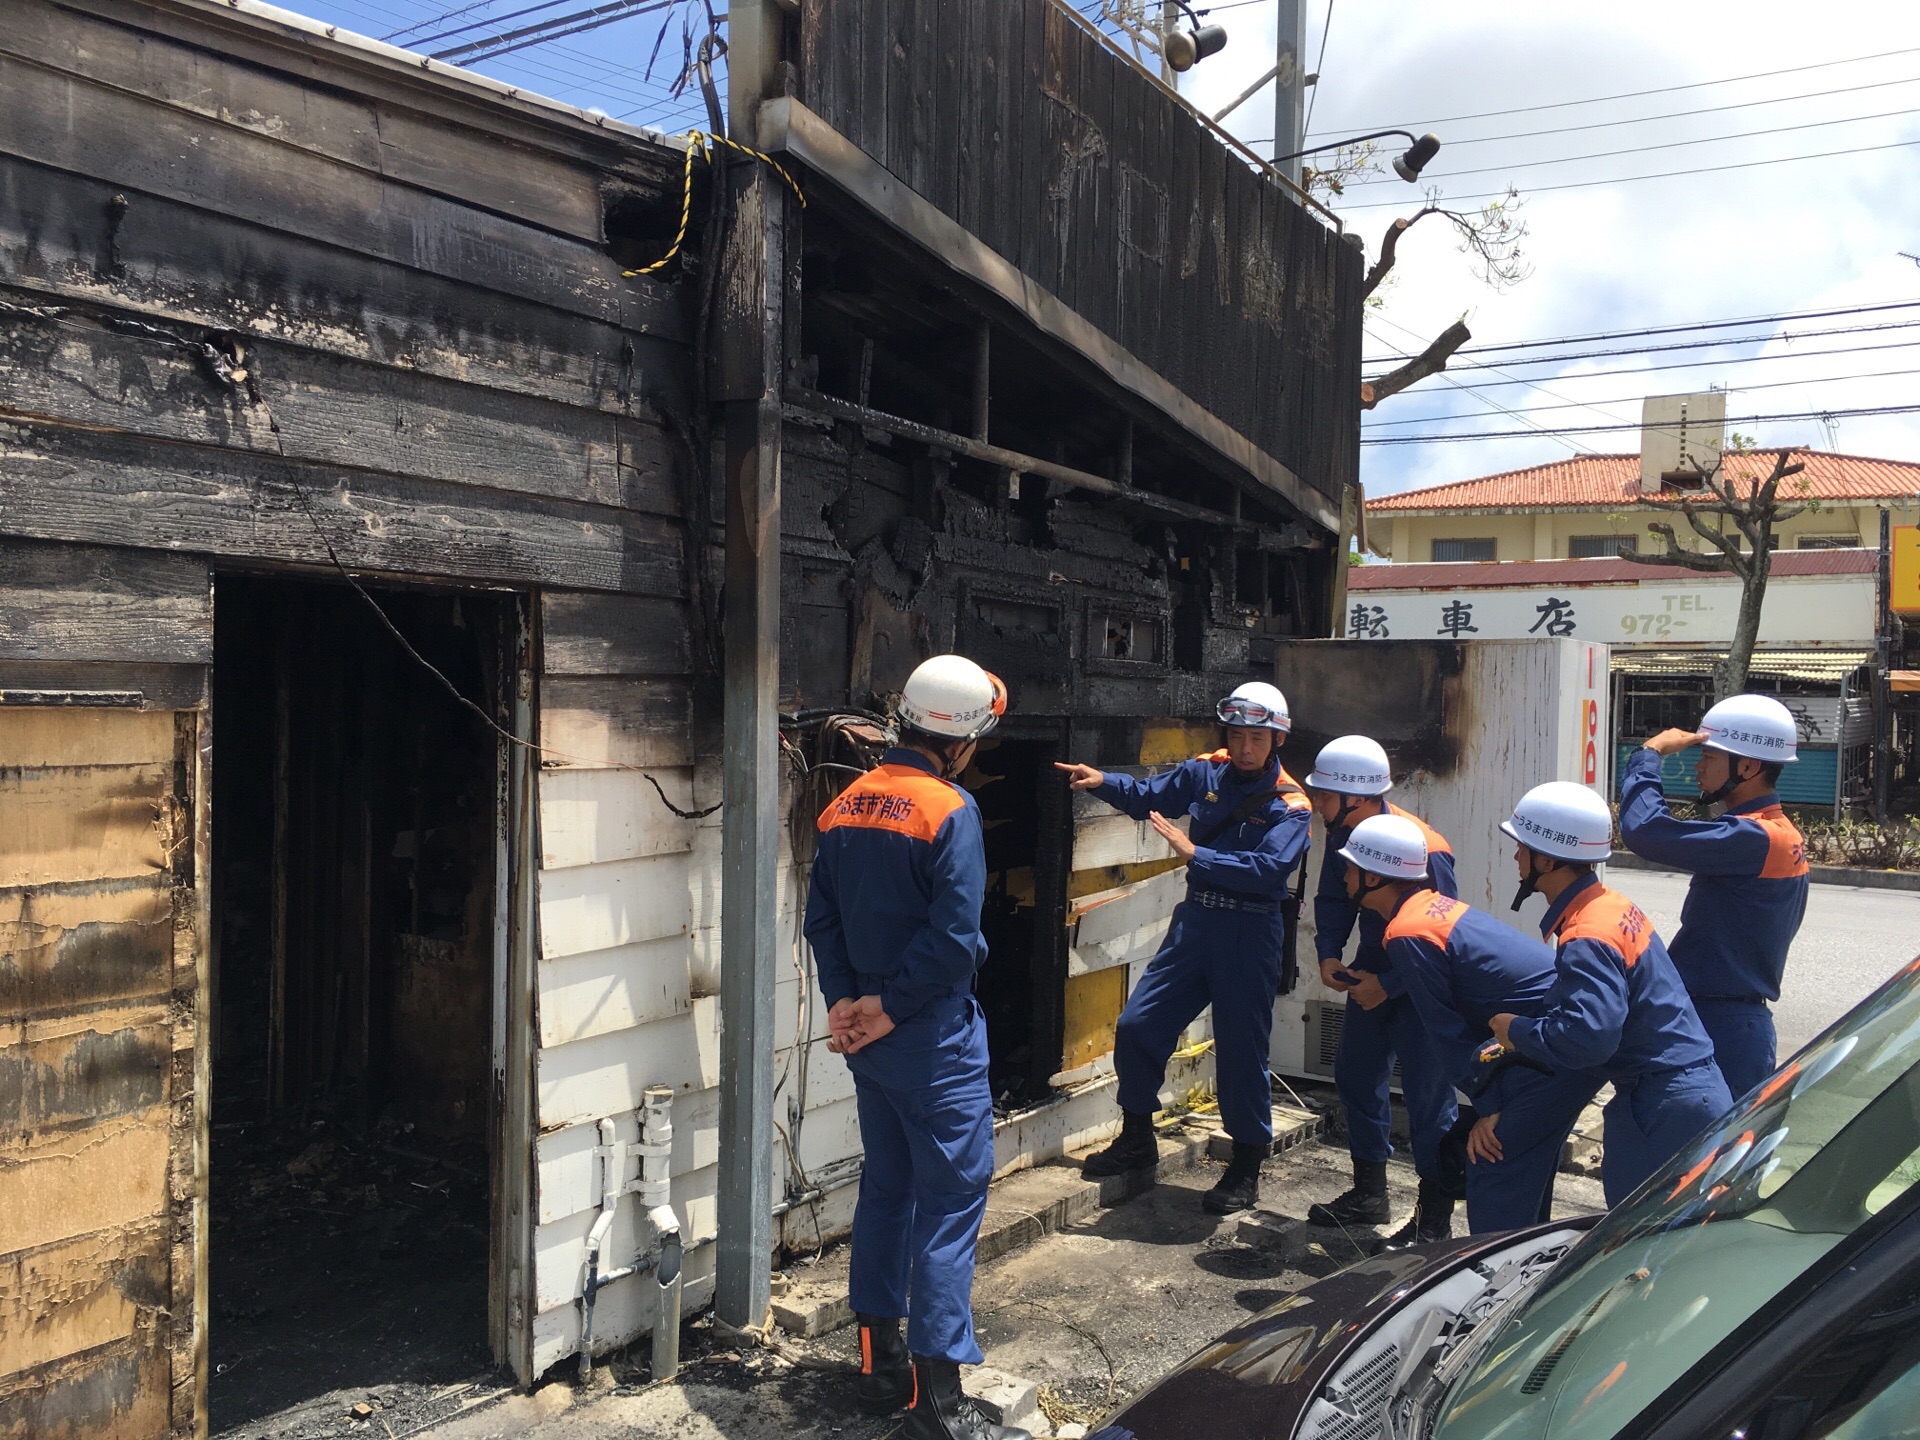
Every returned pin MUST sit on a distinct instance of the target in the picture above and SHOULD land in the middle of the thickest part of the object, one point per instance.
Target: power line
(1455, 144)
(1634, 399)
(1563, 430)
(1663, 175)
(1658, 90)
(1643, 149)
(1701, 344)
(1782, 318)
(1721, 361)
(1572, 445)
(1319, 68)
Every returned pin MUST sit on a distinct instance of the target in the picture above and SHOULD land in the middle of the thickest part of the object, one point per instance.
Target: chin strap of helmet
(1721, 791)
(1529, 883)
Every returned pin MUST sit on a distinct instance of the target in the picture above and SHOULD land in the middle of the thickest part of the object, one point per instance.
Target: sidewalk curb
(1818, 874)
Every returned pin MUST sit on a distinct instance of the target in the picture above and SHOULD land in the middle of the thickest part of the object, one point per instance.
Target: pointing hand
(1081, 777)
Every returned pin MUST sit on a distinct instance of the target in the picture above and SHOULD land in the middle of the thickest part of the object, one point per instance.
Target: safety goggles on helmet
(1235, 711)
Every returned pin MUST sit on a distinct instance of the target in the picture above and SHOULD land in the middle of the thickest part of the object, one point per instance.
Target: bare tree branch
(1430, 361)
(1491, 234)
(1676, 556)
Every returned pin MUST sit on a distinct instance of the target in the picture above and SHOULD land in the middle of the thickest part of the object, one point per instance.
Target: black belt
(1221, 900)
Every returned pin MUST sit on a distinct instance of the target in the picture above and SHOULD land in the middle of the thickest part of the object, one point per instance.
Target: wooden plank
(332, 410)
(306, 293)
(596, 994)
(596, 907)
(607, 1074)
(560, 1248)
(1116, 913)
(955, 99)
(84, 823)
(81, 602)
(1116, 839)
(81, 1070)
(1094, 1003)
(72, 945)
(615, 722)
(119, 1391)
(134, 144)
(588, 817)
(387, 140)
(82, 1293)
(65, 486)
(59, 1183)
(623, 1311)
(1135, 947)
(43, 739)
(84, 684)
(596, 634)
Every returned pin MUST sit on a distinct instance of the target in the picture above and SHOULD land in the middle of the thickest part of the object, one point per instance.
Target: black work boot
(1135, 1149)
(943, 1411)
(1432, 1220)
(1239, 1188)
(886, 1370)
(1364, 1204)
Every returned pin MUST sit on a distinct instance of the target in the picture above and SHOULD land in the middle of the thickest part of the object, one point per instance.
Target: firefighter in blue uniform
(893, 917)
(1749, 867)
(1349, 778)
(1617, 1011)
(1226, 944)
(1457, 968)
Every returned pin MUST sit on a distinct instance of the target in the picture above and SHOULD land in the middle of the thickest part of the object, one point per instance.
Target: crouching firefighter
(1228, 943)
(894, 920)
(1457, 968)
(1617, 1010)
(1750, 875)
(1350, 777)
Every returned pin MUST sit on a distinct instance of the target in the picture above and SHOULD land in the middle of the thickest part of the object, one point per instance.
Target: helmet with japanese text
(1352, 765)
(952, 697)
(1256, 704)
(1756, 726)
(1563, 820)
(1389, 845)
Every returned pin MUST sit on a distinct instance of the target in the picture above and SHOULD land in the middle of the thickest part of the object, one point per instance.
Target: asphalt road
(1852, 939)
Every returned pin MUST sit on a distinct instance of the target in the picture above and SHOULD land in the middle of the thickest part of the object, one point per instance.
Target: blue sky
(1767, 239)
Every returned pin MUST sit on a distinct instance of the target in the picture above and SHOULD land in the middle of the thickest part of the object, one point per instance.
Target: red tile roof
(1468, 575)
(1604, 480)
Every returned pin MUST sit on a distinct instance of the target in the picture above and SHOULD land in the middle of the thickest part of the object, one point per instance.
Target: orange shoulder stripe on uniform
(1609, 917)
(1426, 915)
(900, 798)
(1786, 846)
(1291, 791)
(1436, 842)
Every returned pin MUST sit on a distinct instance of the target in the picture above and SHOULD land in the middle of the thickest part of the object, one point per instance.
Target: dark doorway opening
(1022, 986)
(356, 816)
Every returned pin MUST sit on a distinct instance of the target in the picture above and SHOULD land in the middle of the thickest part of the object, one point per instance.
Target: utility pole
(1169, 17)
(750, 365)
(1883, 670)
(1289, 84)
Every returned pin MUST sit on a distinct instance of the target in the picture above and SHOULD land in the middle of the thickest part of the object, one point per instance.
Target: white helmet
(1256, 704)
(1352, 765)
(1389, 845)
(1756, 726)
(1564, 820)
(950, 695)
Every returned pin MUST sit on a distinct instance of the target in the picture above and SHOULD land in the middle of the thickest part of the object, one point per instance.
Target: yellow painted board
(1168, 742)
(1905, 594)
(1094, 1003)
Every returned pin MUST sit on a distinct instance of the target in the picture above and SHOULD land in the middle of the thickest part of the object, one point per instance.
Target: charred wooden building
(392, 581)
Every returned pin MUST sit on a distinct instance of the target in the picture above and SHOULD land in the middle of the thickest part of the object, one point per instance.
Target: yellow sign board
(1906, 569)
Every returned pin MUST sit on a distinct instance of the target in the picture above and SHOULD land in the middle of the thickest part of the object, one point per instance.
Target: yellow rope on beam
(701, 141)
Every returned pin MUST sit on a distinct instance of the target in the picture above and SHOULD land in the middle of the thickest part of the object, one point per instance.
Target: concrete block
(1016, 1400)
(1291, 1127)
(1270, 1230)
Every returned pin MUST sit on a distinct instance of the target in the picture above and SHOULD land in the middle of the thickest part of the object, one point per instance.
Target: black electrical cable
(1711, 363)
(1557, 430)
(1673, 345)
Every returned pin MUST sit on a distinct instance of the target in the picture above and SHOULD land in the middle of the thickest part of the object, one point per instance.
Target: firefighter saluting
(1226, 944)
(894, 920)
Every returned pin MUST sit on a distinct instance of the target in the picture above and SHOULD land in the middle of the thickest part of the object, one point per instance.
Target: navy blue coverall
(894, 911)
(1618, 1012)
(1370, 1039)
(1224, 945)
(1748, 896)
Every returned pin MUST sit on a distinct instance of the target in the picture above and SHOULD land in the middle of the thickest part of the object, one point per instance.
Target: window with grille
(1595, 547)
(1444, 550)
(1827, 542)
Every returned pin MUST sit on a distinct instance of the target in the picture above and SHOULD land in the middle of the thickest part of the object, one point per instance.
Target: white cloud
(1816, 234)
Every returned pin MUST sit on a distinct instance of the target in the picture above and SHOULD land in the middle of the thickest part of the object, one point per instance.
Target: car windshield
(1827, 1143)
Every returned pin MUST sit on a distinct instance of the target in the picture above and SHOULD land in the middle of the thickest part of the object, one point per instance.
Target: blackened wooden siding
(1014, 119)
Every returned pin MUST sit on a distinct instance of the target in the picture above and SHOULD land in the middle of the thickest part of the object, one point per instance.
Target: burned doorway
(1021, 988)
(355, 858)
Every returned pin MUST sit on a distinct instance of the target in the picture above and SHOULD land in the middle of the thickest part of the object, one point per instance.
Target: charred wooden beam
(801, 401)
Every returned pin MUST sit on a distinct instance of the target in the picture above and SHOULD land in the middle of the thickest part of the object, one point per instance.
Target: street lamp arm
(1354, 140)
